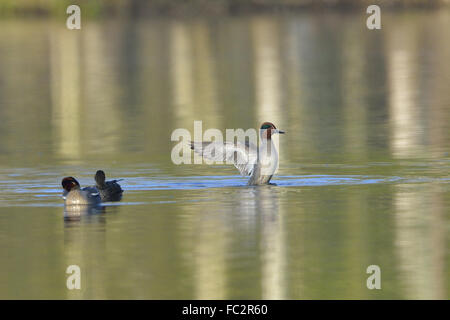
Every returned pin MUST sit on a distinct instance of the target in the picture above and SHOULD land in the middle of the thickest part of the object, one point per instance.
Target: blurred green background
(197, 7)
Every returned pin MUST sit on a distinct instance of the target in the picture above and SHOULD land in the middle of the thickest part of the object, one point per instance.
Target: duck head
(70, 183)
(268, 129)
(100, 177)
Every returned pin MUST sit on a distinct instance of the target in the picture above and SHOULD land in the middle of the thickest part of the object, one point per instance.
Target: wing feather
(243, 156)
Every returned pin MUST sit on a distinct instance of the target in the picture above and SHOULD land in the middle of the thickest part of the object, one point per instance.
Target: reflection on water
(421, 242)
(85, 247)
(65, 92)
(264, 203)
(76, 212)
(364, 166)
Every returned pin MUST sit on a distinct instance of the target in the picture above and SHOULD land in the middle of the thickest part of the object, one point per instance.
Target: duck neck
(101, 184)
(266, 147)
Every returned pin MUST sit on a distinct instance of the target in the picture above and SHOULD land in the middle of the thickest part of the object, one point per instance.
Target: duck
(109, 190)
(74, 195)
(259, 164)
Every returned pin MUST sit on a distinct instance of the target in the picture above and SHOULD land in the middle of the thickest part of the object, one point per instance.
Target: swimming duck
(109, 190)
(74, 195)
(260, 164)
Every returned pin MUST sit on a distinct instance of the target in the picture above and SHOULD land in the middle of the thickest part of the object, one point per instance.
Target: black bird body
(109, 190)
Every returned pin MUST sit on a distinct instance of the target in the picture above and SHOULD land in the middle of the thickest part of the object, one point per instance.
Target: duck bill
(280, 131)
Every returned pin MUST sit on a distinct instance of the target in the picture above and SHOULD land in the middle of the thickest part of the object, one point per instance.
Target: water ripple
(32, 193)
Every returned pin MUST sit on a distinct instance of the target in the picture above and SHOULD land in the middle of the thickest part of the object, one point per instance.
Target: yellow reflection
(209, 261)
(86, 249)
(101, 118)
(266, 204)
(420, 242)
(84, 87)
(354, 84)
(406, 127)
(267, 73)
(205, 251)
(193, 75)
(266, 50)
(181, 72)
(292, 46)
(205, 73)
(260, 209)
(65, 53)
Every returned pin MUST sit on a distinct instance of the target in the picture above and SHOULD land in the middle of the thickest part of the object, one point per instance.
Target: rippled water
(364, 166)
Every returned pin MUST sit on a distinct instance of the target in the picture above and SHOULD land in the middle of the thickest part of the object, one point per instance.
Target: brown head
(268, 129)
(100, 177)
(70, 183)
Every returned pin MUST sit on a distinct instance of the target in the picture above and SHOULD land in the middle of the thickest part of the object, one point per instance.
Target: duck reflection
(242, 219)
(76, 212)
(85, 237)
(262, 208)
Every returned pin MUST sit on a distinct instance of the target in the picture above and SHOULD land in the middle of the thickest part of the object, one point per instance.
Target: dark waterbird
(109, 190)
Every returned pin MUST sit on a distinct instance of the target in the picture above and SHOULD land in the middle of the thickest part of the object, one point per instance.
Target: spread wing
(243, 156)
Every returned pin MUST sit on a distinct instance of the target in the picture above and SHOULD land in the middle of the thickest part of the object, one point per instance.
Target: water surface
(364, 166)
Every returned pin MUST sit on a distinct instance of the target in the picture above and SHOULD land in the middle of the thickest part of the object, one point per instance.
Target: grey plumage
(74, 195)
(242, 156)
